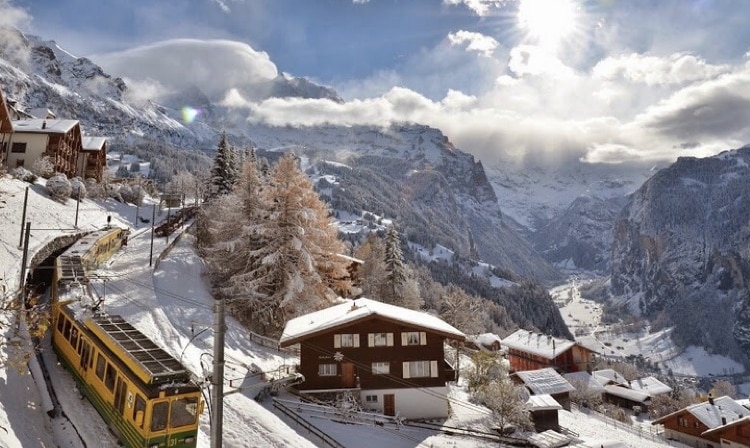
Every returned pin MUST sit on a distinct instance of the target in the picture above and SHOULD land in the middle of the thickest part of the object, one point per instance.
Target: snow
(349, 311)
(723, 407)
(544, 381)
(171, 303)
(538, 344)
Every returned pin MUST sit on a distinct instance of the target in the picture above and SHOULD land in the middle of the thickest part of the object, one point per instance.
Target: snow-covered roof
(45, 126)
(485, 340)
(543, 402)
(352, 310)
(546, 346)
(544, 381)
(741, 421)
(90, 143)
(585, 379)
(629, 394)
(550, 439)
(650, 385)
(711, 414)
(609, 376)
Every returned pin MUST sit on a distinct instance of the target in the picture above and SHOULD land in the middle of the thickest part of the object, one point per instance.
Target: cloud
(360, 2)
(482, 44)
(216, 66)
(677, 68)
(479, 7)
(222, 5)
(13, 16)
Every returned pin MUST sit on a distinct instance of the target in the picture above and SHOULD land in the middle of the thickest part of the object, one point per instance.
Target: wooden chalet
(530, 351)
(391, 358)
(635, 395)
(32, 139)
(92, 161)
(709, 424)
(6, 128)
(545, 382)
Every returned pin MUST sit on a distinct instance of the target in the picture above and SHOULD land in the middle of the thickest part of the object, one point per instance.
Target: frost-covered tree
(280, 248)
(462, 310)
(722, 388)
(507, 402)
(372, 273)
(224, 171)
(43, 167)
(58, 187)
(78, 188)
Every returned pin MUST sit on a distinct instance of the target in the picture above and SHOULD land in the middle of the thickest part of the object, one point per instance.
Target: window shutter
(356, 339)
(433, 369)
(336, 341)
(389, 339)
(422, 338)
(404, 339)
(406, 369)
(371, 339)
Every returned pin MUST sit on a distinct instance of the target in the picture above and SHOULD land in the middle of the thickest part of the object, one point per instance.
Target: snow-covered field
(583, 317)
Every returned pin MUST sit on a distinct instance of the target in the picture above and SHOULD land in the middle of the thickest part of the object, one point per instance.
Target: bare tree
(722, 388)
(507, 402)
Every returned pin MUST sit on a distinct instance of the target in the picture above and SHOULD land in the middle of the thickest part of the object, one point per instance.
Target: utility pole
(153, 218)
(217, 379)
(25, 259)
(78, 203)
(23, 215)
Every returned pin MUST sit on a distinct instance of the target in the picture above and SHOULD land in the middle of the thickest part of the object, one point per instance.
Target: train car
(146, 396)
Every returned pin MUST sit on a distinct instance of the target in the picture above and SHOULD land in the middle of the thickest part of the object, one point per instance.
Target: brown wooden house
(60, 140)
(530, 351)
(6, 128)
(734, 434)
(545, 382)
(392, 358)
(92, 161)
(704, 425)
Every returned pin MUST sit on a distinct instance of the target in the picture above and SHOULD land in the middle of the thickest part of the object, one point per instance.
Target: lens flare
(189, 114)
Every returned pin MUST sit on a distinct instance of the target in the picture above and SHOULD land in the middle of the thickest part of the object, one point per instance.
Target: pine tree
(223, 173)
(399, 287)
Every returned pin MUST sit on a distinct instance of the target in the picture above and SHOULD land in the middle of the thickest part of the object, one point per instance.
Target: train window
(100, 363)
(120, 396)
(74, 337)
(159, 416)
(60, 321)
(85, 352)
(109, 377)
(66, 329)
(184, 412)
(140, 406)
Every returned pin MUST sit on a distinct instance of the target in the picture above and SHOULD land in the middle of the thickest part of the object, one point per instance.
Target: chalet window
(380, 340)
(413, 338)
(371, 398)
(381, 368)
(682, 422)
(327, 369)
(420, 369)
(18, 148)
(346, 340)
(19, 163)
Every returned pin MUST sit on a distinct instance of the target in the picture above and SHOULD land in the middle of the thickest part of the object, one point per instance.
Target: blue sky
(594, 80)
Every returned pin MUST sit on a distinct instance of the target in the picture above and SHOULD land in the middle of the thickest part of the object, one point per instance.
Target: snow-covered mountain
(412, 173)
(681, 249)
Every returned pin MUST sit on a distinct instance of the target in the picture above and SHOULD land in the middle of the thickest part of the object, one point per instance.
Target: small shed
(546, 381)
(543, 410)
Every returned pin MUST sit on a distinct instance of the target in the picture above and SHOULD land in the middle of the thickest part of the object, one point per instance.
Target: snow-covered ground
(583, 317)
(172, 305)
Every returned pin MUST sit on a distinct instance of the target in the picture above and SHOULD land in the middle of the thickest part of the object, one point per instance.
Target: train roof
(147, 360)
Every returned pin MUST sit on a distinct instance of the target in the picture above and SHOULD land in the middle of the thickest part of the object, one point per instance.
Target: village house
(545, 382)
(709, 424)
(530, 351)
(587, 388)
(543, 409)
(393, 359)
(634, 395)
(24, 139)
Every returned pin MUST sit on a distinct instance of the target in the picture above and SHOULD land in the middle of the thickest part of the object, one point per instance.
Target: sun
(548, 22)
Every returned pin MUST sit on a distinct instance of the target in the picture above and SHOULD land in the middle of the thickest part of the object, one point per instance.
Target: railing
(328, 440)
(654, 433)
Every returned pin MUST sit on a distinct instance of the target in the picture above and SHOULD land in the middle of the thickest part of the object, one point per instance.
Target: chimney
(44, 124)
(723, 420)
(354, 305)
(710, 399)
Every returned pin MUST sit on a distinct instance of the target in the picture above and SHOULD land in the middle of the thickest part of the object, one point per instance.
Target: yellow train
(146, 396)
